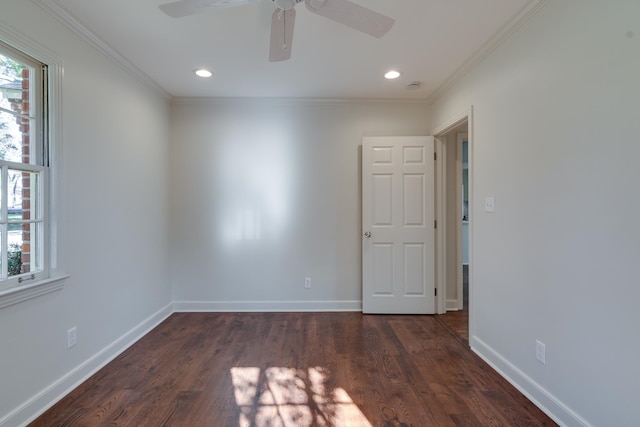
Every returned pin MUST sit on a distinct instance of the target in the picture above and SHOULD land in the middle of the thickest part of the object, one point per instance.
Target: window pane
(14, 84)
(14, 256)
(22, 196)
(24, 222)
(24, 252)
(17, 110)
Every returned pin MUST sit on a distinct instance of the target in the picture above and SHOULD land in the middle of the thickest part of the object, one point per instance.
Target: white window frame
(52, 277)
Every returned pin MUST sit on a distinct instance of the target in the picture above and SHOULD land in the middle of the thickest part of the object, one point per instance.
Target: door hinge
(435, 291)
(435, 223)
(435, 156)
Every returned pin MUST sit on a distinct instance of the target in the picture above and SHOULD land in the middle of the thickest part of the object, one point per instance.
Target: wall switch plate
(541, 352)
(72, 337)
(489, 204)
(307, 282)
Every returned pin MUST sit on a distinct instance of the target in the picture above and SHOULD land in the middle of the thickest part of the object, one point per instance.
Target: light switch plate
(489, 204)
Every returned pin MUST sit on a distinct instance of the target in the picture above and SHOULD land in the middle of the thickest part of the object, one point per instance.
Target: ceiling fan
(282, 21)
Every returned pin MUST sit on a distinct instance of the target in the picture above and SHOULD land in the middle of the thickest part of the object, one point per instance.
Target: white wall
(556, 142)
(266, 193)
(114, 240)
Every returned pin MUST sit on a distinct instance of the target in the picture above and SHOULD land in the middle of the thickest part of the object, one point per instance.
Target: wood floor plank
(296, 369)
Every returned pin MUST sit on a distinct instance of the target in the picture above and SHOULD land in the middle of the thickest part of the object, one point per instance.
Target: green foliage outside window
(14, 259)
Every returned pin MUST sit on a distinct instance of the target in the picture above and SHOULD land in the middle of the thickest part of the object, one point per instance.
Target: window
(24, 170)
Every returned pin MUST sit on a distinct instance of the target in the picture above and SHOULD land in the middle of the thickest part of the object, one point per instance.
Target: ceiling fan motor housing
(286, 4)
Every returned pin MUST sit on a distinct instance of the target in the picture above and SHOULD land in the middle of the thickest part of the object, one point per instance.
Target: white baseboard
(542, 398)
(46, 398)
(453, 305)
(266, 306)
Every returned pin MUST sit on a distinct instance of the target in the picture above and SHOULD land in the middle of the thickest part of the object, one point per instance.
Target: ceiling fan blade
(352, 15)
(178, 9)
(282, 23)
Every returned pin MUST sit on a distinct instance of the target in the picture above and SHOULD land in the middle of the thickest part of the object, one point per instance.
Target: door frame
(440, 133)
(459, 304)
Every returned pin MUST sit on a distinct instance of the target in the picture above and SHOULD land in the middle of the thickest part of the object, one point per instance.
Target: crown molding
(186, 100)
(74, 24)
(492, 44)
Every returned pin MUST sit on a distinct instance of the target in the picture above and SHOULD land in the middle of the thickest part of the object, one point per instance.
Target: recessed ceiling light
(393, 74)
(203, 72)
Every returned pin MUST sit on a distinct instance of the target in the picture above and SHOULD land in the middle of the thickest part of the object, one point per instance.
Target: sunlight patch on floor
(287, 397)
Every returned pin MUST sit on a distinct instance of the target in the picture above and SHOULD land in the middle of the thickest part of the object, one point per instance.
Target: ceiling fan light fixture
(203, 72)
(392, 74)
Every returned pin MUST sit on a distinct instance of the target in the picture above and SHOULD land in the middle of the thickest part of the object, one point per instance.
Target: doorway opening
(455, 214)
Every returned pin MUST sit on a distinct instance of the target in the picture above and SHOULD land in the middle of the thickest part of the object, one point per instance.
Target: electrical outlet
(541, 352)
(72, 337)
(307, 282)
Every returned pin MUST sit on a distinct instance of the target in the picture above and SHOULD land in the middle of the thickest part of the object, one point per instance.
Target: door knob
(367, 234)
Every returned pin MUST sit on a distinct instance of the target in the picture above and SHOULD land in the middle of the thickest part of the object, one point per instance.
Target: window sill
(23, 293)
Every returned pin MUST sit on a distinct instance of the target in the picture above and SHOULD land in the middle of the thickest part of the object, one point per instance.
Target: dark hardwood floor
(458, 321)
(296, 369)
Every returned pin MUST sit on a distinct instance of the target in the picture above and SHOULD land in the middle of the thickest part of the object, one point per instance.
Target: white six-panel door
(398, 236)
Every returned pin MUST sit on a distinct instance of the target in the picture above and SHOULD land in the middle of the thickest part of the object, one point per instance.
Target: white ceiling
(430, 41)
